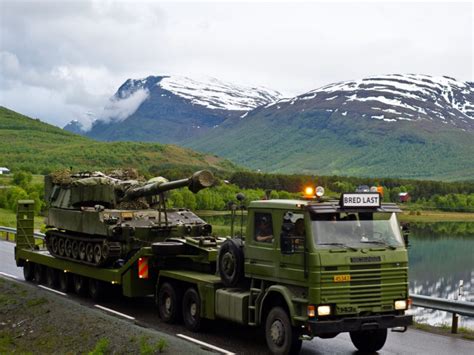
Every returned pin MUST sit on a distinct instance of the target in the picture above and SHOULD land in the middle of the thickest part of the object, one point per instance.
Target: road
(245, 340)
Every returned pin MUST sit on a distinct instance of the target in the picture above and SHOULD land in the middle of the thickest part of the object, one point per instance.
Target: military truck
(304, 268)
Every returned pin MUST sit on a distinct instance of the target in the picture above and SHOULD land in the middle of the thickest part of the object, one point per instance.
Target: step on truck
(305, 268)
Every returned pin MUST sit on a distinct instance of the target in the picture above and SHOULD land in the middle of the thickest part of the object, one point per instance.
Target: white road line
(115, 312)
(8, 275)
(55, 291)
(223, 351)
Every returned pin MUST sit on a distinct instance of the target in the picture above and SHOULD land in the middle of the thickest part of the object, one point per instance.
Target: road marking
(55, 291)
(115, 312)
(223, 351)
(8, 275)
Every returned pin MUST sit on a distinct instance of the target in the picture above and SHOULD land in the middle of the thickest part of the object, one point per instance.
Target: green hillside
(321, 143)
(32, 145)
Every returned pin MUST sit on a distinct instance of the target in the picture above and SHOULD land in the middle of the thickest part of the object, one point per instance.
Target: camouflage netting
(137, 204)
(61, 177)
(125, 174)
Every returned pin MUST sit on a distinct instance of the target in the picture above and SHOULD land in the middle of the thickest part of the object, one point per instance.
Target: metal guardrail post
(454, 324)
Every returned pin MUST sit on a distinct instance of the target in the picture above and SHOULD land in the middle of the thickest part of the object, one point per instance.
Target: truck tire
(369, 341)
(80, 285)
(169, 303)
(281, 337)
(167, 248)
(38, 271)
(51, 277)
(231, 262)
(29, 271)
(192, 310)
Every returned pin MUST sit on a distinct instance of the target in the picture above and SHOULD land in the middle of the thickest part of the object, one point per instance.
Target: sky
(63, 60)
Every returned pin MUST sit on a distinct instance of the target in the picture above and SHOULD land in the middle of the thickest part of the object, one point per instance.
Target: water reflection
(441, 254)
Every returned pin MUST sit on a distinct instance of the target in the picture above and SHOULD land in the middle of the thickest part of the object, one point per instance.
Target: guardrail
(452, 306)
(7, 231)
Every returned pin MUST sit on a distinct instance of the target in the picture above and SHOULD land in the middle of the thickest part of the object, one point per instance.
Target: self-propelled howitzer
(99, 219)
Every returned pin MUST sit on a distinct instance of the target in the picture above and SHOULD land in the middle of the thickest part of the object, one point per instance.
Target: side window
(292, 233)
(263, 227)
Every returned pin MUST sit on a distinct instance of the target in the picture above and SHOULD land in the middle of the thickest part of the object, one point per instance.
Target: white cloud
(75, 54)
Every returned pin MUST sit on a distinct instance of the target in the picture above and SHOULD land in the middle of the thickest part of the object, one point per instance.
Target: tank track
(89, 251)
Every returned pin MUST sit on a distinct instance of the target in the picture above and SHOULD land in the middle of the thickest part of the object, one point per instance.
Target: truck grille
(370, 286)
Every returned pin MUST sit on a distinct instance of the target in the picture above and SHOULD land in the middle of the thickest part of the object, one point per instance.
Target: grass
(147, 348)
(436, 216)
(8, 219)
(101, 347)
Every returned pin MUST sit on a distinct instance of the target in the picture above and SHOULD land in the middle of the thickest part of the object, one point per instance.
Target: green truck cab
(328, 268)
(304, 268)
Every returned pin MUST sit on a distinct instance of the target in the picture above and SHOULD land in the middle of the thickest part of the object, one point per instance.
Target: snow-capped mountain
(172, 108)
(396, 97)
(414, 126)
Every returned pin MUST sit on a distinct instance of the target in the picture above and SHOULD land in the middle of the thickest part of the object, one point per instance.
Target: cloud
(117, 109)
(75, 54)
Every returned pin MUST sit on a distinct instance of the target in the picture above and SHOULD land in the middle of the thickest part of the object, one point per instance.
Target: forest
(434, 195)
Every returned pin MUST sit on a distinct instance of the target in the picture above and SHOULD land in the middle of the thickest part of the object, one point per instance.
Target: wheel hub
(193, 309)
(277, 332)
(168, 304)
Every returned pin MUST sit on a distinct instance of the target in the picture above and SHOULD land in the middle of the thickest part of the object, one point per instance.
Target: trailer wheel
(39, 274)
(231, 262)
(281, 337)
(169, 301)
(64, 281)
(80, 285)
(369, 341)
(192, 310)
(28, 271)
(51, 277)
(98, 290)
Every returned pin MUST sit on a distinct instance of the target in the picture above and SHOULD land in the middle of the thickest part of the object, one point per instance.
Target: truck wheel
(80, 285)
(98, 290)
(39, 274)
(64, 281)
(51, 277)
(281, 337)
(231, 262)
(192, 310)
(169, 302)
(28, 271)
(369, 340)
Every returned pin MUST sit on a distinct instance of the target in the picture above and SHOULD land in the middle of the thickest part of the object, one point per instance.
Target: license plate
(342, 278)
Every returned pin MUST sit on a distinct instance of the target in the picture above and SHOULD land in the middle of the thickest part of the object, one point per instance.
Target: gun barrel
(198, 181)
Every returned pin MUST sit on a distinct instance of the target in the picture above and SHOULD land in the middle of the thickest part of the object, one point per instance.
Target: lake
(440, 254)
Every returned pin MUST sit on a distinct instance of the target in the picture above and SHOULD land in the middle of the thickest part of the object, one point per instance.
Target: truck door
(291, 248)
(260, 246)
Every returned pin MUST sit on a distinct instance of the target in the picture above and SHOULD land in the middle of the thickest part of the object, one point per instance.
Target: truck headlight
(400, 305)
(324, 310)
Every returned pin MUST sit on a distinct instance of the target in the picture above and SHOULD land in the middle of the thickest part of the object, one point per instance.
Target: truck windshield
(356, 230)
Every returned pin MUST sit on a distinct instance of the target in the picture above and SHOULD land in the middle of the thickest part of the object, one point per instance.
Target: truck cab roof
(325, 206)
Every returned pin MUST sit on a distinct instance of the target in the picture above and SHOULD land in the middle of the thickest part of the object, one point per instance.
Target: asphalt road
(246, 340)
